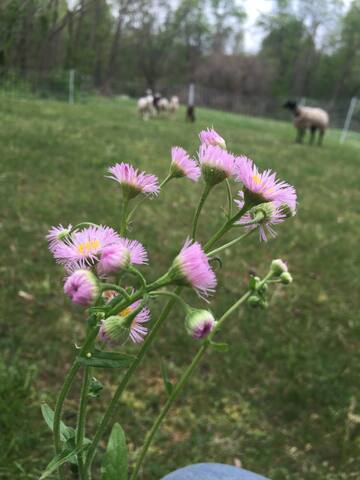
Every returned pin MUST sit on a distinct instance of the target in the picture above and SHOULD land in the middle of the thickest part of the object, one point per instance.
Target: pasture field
(285, 400)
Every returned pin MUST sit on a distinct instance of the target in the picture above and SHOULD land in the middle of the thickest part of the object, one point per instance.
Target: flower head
(263, 187)
(113, 257)
(216, 163)
(191, 267)
(278, 267)
(133, 181)
(269, 215)
(57, 234)
(82, 287)
(138, 254)
(211, 137)
(117, 328)
(199, 323)
(119, 255)
(182, 165)
(83, 247)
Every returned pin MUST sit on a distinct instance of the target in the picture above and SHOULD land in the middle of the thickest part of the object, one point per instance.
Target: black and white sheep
(308, 118)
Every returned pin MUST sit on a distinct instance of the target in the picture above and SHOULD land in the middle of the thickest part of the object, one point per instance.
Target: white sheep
(163, 104)
(174, 104)
(145, 107)
(308, 117)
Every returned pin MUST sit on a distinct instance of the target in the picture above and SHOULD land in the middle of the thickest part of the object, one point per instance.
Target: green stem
(135, 271)
(80, 430)
(184, 378)
(83, 224)
(173, 295)
(145, 197)
(230, 244)
(229, 197)
(117, 288)
(226, 227)
(166, 408)
(202, 200)
(65, 390)
(125, 380)
(124, 218)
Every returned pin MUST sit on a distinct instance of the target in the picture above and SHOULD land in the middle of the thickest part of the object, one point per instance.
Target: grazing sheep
(174, 104)
(163, 104)
(308, 117)
(146, 107)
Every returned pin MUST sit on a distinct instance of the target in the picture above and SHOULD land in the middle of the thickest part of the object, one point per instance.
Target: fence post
(71, 85)
(191, 98)
(348, 119)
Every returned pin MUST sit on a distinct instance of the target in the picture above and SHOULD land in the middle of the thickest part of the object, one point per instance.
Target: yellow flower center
(126, 311)
(256, 179)
(88, 247)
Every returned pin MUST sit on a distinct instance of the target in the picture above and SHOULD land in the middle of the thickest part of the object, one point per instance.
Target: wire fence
(72, 87)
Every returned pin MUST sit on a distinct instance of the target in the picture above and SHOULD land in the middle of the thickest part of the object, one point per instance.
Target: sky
(253, 36)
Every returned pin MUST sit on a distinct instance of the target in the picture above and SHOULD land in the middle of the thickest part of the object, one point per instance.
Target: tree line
(309, 49)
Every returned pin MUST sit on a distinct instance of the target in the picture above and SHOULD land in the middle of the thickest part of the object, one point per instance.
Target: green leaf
(48, 414)
(115, 460)
(252, 283)
(95, 387)
(107, 359)
(60, 459)
(167, 383)
(220, 347)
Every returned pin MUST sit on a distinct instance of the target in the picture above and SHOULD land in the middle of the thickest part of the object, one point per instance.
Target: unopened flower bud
(253, 301)
(278, 266)
(82, 287)
(199, 323)
(114, 330)
(286, 278)
(113, 258)
(287, 210)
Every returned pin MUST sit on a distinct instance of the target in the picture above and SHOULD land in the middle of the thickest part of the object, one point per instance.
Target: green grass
(280, 400)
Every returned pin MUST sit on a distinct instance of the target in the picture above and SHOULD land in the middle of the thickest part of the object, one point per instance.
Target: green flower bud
(278, 266)
(253, 301)
(286, 278)
(199, 323)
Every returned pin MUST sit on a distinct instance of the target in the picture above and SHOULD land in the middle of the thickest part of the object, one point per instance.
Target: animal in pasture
(146, 106)
(163, 104)
(308, 118)
(174, 104)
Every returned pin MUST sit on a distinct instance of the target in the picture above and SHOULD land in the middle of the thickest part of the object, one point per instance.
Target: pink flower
(273, 216)
(82, 287)
(211, 137)
(263, 187)
(199, 323)
(182, 165)
(138, 254)
(133, 181)
(57, 234)
(216, 163)
(191, 267)
(83, 247)
(116, 328)
(113, 257)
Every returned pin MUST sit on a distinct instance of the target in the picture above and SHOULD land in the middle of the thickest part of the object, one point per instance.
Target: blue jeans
(212, 471)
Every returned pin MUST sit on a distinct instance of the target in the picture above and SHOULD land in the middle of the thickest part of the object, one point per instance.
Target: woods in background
(124, 46)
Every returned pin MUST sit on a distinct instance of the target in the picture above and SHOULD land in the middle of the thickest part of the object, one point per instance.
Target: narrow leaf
(60, 459)
(115, 460)
(220, 347)
(167, 383)
(48, 414)
(107, 359)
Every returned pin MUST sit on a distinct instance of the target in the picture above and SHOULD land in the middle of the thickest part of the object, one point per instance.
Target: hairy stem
(202, 201)
(80, 430)
(125, 380)
(184, 378)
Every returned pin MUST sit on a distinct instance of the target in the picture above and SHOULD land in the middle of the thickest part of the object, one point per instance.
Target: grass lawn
(283, 401)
